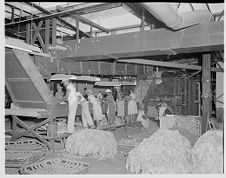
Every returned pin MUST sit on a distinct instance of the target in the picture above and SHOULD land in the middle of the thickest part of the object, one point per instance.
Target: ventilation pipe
(174, 20)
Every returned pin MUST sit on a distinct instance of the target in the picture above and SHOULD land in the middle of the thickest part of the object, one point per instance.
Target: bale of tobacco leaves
(207, 154)
(164, 152)
(92, 142)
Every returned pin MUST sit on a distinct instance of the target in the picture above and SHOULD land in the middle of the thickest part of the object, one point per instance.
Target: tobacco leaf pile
(207, 154)
(166, 151)
(92, 143)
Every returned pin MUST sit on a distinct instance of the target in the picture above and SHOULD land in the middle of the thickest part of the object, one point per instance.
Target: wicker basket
(189, 123)
(21, 153)
(56, 166)
(19, 158)
(25, 145)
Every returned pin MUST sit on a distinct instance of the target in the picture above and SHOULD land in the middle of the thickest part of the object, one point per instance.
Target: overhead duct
(174, 20)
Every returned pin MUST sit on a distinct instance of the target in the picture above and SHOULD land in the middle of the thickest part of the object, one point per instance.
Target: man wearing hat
(72, 98)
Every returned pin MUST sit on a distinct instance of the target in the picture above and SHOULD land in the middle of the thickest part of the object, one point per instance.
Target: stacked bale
(166, 151)
(207, 154)
(91, 142)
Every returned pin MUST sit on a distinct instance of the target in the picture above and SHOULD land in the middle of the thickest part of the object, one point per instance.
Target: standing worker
(120, 103)
(72, 98)
(132, 107)
(59, 95)
(111, 107)
(97, 110)
(87, 120)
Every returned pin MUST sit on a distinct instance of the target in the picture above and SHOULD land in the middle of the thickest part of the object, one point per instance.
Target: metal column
(54, 28)
(206, 90)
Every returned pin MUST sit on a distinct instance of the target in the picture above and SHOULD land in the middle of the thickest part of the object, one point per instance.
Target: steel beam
(84, 20)
(162, 64)
(46, 17)
(196, 39)
(127, 27)
(166, 64)
(95, 8)
(9, 5)
(122, 28)
(50, 16)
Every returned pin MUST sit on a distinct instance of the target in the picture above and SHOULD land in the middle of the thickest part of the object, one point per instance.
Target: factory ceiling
(105, 19)
(117, 17)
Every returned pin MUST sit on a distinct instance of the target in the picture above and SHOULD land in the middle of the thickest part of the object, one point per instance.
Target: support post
(77, 33)
(28, 32)
(14, 127)
(206, 90)
(12, 15)
(189, 94)
(54, 32)
(91, 30)
(142, 23)
(185, 96)
(51, 132)
(46, 34)
(77, 27)
(114, 68)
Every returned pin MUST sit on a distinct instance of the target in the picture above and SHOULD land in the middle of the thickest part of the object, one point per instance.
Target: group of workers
(104, 109)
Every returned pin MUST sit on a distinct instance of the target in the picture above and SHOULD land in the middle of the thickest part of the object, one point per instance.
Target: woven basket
(21, 153)
(190, 123)
(25, 145)
(19, 158)
(56, 166)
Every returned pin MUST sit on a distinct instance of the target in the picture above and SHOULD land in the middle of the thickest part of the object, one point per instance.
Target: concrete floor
(110, 166)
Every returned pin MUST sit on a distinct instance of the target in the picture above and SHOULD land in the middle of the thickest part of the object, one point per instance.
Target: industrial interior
(114, 88)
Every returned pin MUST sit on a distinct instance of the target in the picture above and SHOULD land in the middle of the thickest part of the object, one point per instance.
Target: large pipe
(174, 20)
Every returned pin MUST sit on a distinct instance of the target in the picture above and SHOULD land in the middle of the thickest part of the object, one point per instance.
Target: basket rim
(10, 162)
(22, 170)
(9, 144)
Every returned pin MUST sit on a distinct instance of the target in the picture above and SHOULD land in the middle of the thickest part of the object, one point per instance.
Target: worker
(97, 110)
(111, 107)
(132, 107)
(87, 120)
(72, 98)
(59, 94)
(104, 103)
(100, 95)
(120, 103)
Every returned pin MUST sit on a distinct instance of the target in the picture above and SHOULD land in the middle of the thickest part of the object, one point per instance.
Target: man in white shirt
(72, 98)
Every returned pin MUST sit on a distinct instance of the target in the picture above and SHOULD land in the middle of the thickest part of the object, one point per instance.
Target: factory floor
(109, 166)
